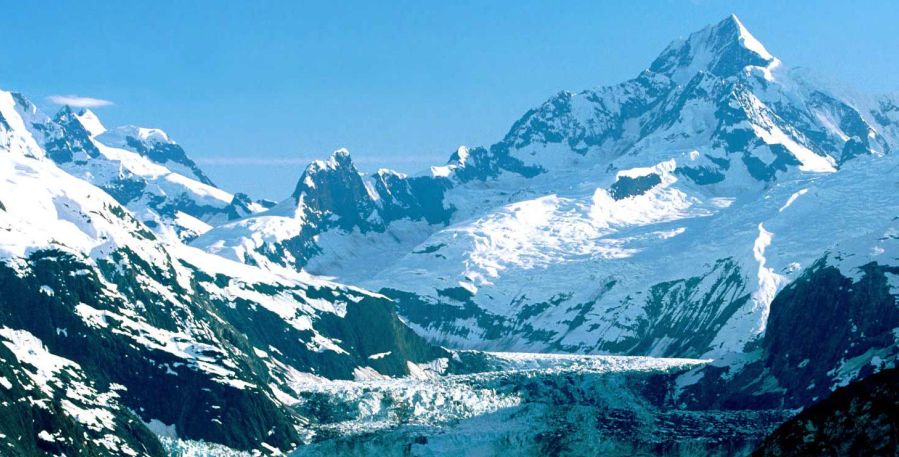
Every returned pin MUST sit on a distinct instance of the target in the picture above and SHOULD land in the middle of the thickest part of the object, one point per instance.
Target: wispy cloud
(252, 161)
(78, 101)
(307, 160)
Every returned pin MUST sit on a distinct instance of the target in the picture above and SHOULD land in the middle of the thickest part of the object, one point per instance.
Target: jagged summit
(141, 168)
(12, 124)
(722, 49)
(84, 121)
(339, 164)
(156, 145)
(340, 158)
(336, 186)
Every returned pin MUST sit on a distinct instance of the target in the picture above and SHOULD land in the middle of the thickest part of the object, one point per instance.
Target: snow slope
(141, 168)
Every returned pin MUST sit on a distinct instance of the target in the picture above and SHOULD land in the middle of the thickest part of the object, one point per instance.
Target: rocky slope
(859, 419)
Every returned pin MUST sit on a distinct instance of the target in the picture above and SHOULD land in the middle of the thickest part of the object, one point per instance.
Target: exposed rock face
(861, 418)
(333, 198)
(824, 330)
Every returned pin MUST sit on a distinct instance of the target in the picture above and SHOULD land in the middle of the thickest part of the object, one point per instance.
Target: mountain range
(673, 265)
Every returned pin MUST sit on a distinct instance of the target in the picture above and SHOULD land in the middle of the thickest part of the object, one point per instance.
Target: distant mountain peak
(723, 49)
(119, 135)
(339, 166)
(85, 120)
(339, 159)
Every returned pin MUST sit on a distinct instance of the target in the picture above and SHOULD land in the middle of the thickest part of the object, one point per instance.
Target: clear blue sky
(254, 90)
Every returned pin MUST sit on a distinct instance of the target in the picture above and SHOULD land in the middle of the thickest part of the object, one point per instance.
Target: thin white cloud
(77, 101)
(252, 161)
(225, 161)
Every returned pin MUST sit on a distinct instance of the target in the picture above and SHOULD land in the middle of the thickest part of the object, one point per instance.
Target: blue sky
(254, 90)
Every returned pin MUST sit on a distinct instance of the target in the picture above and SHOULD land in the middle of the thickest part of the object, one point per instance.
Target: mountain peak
(85, 119)
(88, 119)
(339, 166)
(746, 39)
(155, 145)
(119, 136)
(722, 49)
(339, 160)
(334, 187)
(341, 157)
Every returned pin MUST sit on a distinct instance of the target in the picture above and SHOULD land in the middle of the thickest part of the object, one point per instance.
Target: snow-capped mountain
(662, 216)
(153, 144)
(114, 341)
(722, 225)
(109, 331)
(140, 167)
(387, 210)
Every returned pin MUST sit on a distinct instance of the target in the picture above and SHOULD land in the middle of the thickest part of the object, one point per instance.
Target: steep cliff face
(824, 330)
(858, 419)
(334, 215)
